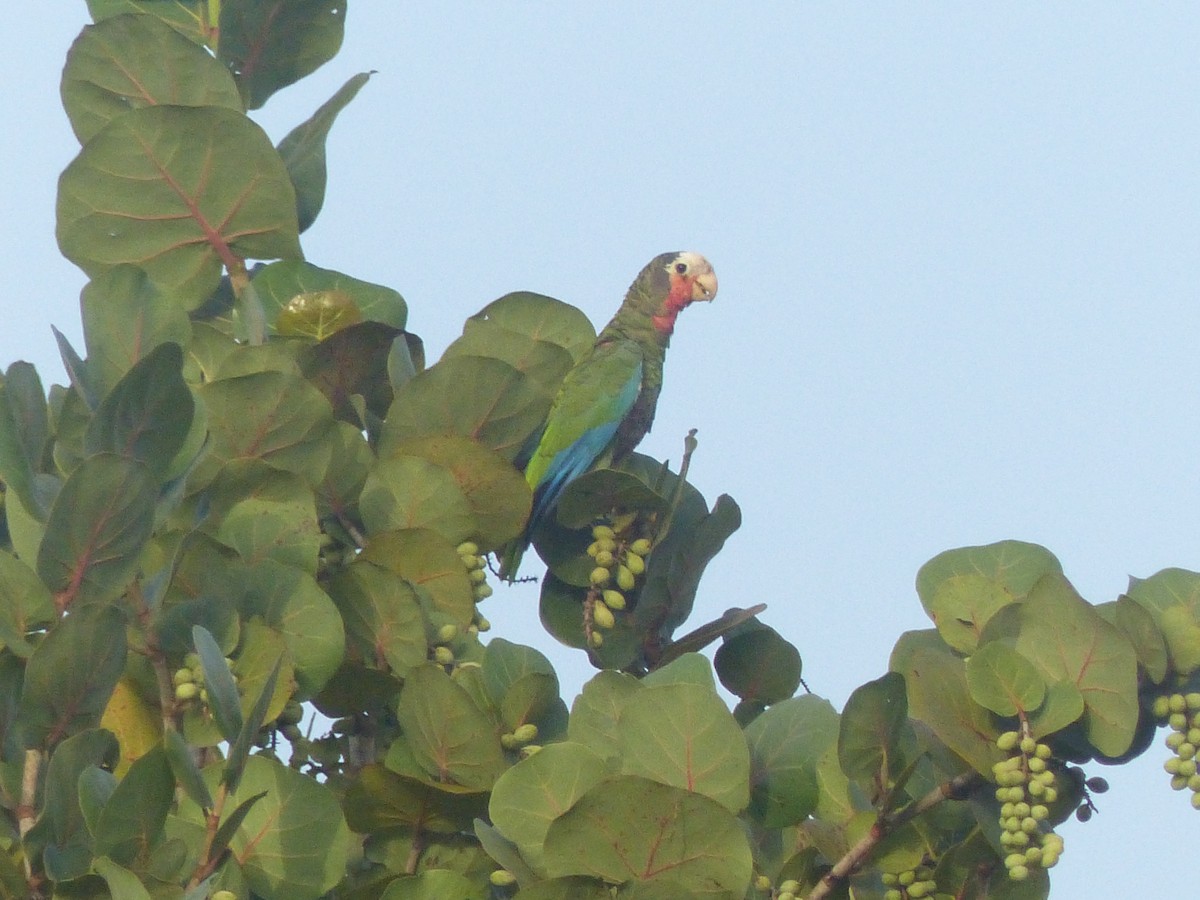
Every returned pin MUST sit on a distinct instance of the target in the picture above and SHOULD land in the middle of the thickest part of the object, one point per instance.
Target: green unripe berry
(1008, 809)
(918, 889)
(1033, 855)
(525, 733)
(1192, 700)
(906, 878)
(640, 547)
(447, 633)
(1020, 809)
(1195, 801)
(182, 676)
(762, 883)
(1178, 721)
(1177, 703)
(1175, 740)
(186, 691)
(467, 548)
(1036, 765)
(477, 576)
(785, 895)
(291, 732)
(509, 741)
(1029, 824)
(625, 579)
(1008, 741)
(1028, 745)
(203, 696)
(596, 639)
(1161, 708)
(443, 656)
(1043, 751)
(1194, 783)
(482, 591)
(482, 624)
(529, 750)
(599, 576)
(1193, 736)
(790, 884)
(502, 878)
(1050, 795)
(593, 548)
(224, 895)
(1172, 765)
(635, 563)
(1018, 873)
(603, 532)
(888, 879)
(605, 558)
(1187, 767)
(602, 616)
(1039, 812)
(893, 894)
(1014, 859)
(1046, 778)
(1185, 750)
(614, 599)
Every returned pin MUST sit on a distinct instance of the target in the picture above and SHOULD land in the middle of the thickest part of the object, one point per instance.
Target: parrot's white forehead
(696, 264)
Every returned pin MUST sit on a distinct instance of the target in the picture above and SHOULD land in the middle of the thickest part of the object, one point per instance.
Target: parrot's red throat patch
(679, 298)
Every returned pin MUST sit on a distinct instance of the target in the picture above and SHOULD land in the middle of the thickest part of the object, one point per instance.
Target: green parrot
(606, 402)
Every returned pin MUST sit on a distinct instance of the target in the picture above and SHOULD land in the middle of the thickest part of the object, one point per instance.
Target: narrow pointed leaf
(233, 822)
(222, 691)
(183, 766)
(303, 150)
(239, 750)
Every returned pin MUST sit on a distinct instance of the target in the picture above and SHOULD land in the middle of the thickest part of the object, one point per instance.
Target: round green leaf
(497, 495)
(410, 492)
(532, 794)
(294, 841)
(683, 735)
(133, 61)
(475, 397)
(427, 560)
(633, 829)
(786, 744)
(759, 665)
(1004, 681)
(305, 294)
(539, 318)
(382, 616)
(143, 191)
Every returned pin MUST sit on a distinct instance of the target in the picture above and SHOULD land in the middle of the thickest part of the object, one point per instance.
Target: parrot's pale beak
(705, 286)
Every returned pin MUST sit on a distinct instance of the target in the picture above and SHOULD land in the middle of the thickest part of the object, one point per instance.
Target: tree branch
(956, 788)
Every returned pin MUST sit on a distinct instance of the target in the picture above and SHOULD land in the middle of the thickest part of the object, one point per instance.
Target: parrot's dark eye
(681, 268)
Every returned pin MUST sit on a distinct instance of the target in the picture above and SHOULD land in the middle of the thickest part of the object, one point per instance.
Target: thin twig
(957, 788)
(27, 811)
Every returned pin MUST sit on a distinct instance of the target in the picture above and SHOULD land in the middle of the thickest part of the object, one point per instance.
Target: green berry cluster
(189, 681)
(910, 885)
(1025, 787)
(521, 738)
(288, 721)
(1181, 714)
(787, 890)
(618, 566)
(476, 566)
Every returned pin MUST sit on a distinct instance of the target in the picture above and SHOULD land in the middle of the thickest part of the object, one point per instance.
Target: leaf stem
(205, 866)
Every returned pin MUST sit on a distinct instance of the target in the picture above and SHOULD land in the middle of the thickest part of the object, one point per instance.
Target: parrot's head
(677, 280)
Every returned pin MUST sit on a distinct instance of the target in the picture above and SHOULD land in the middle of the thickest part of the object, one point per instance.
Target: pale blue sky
(959, 277)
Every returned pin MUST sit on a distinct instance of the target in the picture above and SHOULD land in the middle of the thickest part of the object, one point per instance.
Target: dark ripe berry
(1083, 813)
